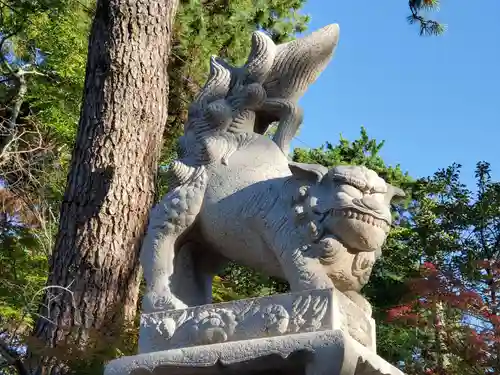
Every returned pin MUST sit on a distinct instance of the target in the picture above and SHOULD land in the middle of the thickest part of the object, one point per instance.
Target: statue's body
(235, 195)
(235, 205)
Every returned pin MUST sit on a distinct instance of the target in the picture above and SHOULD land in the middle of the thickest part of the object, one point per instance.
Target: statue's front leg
(170, 220)
(196, 264)
(301, 269)
(360, 301)
(289, 241)
(303, 272)
(158, 265)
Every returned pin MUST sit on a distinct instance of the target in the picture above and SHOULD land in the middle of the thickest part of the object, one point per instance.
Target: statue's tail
(266, 89)
(297, 64)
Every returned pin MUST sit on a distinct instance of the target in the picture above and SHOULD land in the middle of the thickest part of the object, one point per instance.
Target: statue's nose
(373, 204)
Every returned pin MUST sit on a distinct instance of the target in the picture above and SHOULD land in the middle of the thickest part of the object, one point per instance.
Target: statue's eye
(381, 189)
(350, 190)
(357, 183)
(378, 197)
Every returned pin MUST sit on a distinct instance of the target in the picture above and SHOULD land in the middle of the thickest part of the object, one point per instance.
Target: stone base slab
(330, 352)
(277, 315)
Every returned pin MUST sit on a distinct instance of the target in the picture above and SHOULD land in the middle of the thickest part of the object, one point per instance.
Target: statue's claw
(359, 300)
(156, 300)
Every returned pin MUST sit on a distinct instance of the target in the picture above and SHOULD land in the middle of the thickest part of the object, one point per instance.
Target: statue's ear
(309, 172)
(394, 193)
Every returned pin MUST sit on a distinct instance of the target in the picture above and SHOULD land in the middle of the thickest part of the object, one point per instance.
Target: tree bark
(111, 181)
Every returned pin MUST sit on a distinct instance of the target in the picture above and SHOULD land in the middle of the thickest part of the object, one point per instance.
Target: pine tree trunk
(111, 182)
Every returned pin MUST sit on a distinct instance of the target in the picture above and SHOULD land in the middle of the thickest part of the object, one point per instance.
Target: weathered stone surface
(311, 311)
(235, 195)
(353, 320)
(314, 353)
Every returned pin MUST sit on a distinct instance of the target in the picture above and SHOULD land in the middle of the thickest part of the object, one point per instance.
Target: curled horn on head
(261, 57)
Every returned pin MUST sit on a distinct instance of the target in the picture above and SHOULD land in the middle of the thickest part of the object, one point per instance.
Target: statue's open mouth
(350, 213)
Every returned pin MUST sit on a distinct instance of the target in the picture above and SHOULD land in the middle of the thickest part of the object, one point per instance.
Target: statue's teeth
(366, 218)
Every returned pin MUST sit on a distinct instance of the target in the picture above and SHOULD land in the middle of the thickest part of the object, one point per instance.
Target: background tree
(43, 49)
(111, 182)
(453, 304)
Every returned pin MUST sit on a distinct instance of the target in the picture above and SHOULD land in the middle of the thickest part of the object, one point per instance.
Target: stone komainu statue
(234, 195)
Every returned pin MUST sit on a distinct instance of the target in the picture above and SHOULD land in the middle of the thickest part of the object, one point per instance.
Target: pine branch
(427, 27)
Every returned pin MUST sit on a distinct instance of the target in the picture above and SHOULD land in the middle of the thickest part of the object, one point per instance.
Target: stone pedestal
(314, 333)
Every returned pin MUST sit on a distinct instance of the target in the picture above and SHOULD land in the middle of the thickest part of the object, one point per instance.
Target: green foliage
(456, 232)
(397, 342)
(23, 265)
(48, 41)
(55, 98)
(427, 26)
(362, 151)
(237, 282)
(55, 44)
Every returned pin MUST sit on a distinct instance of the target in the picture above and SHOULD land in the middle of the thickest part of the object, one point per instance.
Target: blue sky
(434, 100)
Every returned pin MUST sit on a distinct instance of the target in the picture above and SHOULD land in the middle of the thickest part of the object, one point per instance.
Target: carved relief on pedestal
(241, 320)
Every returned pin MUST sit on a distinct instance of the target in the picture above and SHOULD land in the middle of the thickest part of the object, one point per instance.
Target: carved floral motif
(245, 320)
(213, 326)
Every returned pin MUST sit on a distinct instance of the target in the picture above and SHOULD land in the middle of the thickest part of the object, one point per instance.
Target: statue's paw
(325, 284)
(161, 301)
(317, 282)
(361, 301)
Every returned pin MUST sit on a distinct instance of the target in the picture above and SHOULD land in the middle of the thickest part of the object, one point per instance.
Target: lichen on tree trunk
(111, 181)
